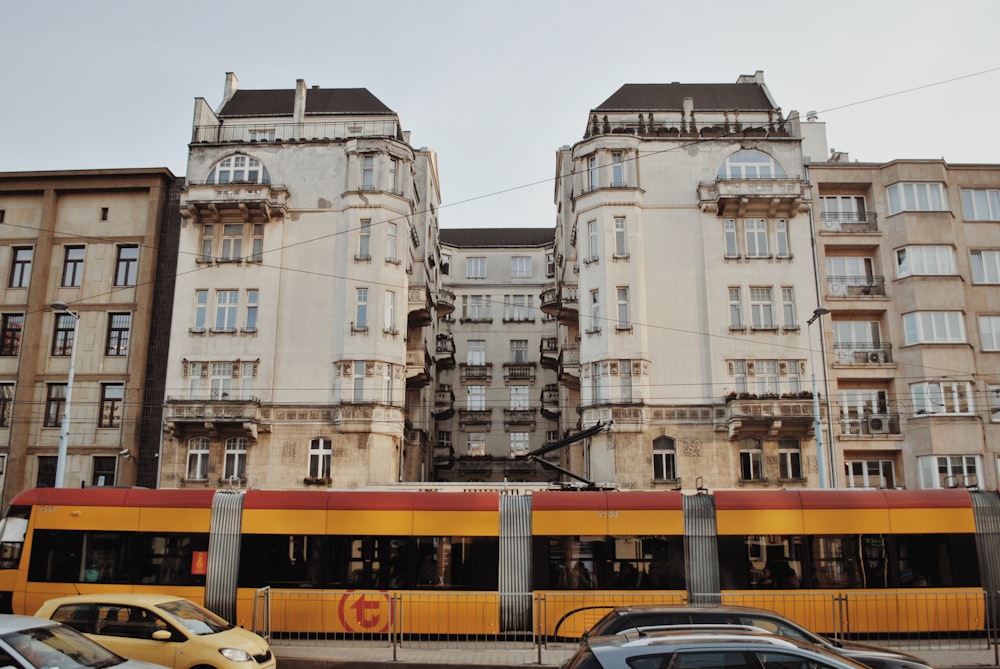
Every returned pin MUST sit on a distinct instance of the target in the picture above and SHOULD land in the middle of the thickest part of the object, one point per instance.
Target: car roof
(738, 610)
(14, 623)
(115, 598)
(687, 638)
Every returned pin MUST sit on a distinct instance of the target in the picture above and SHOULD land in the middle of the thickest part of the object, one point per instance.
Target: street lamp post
(817, 423)
(64, 427)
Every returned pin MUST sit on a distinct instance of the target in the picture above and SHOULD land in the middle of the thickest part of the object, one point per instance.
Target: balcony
(184, 418)
(445, 302)
(418, 367)
(550, 401)
(479, 417)
(476, 373)
(849, 223)
(675, 126)
(569, 367)
(871, 425)
(753, 197)
(751, 415)
(234, 203)
(419, 307)
(278, 133)
(855, 287)
(549, 350)
(444, 402)
(562, 302)
(519, 418)
(862, 354)
(444, 352)
(518, 371)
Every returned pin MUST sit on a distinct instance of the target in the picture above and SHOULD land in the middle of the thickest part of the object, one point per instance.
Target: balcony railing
(519, 371)
(476, 372)
(776, 414)
(667, 126)
(250, 203)
(276, 133)
(851, 353)
(870, 425)
(856, 286)
(445, 301)
(181, 414)
(780, 196)
(849, 223)
(475, 417)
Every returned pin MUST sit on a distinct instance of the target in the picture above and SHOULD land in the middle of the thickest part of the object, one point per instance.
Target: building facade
(497, 398)
(307, 282)
(908, 267)
(79, 377)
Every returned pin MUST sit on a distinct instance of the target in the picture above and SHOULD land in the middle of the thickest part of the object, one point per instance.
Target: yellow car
(162, 629)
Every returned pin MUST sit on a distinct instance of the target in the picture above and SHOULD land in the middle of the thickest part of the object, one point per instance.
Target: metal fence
(920, 620)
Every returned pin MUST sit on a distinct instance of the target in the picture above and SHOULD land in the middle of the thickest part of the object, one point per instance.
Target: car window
(778, 628)
(659, 661)
(779, 660)
(80, 617)
(196, 619)
(585, 660)
(716, 659)
(133, 622)
(60, 646)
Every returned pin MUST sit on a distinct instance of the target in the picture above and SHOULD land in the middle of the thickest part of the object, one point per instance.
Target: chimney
(232, 85)
(299, 113)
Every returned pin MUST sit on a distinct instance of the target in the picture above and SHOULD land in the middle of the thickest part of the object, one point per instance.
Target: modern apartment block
(496, 396)
(684, 282)
(307, 282)
(910, 270)
(86, 260)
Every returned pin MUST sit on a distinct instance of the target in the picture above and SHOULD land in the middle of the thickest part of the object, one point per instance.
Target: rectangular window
(519, 397)
(781, 237)
(119, 326)
(197, 460)
(65, 334)
(788, 307)
(253, 297)
(519, 443)
(985, 266)
(476, 398)
(761, 308)
(981, 205)
(870, 474)
(617, 169)
(365, 240)
(732, 247)
(247, 374)
(925, 260)
(257, 243)
(740, 375)
(664, 459)
(756, 236)
(221, 380)
(600, 372)
(475, 268)
(200, 310)
(520, 267)
(389, 313)
(517, 308)
(232, 242)
(476, 352)
(46, 477)
(6, 406)
(595, 310)
(477, 307)
(916, 197)
(112, 396)
(475, 444)
(550, 265)
(73, 267)
(592, 241)
(766, 375)
(989, 332)
(934, 327)
(207, 239)
(359, 382)
(735, 308)
(519, 351)
(20, 269)
(127, 267)
(387, 383)
(790, 459)
(394, 176)
(361, 310)
(941, 397)
(226, 306)
(368, 172)
(55, 401)
(751, 461)
(10, 336)
(592, 175)
(625, 381)
(235, 466)
(320, 457)
(949, 471)
(621, 238)
(391, 254)
(835, 210)
(104, 470)
(624, 322)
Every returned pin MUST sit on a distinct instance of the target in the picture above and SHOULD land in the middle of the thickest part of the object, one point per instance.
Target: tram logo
(365, 611)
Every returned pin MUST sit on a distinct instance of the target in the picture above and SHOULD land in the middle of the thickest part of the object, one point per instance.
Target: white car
(31, 643)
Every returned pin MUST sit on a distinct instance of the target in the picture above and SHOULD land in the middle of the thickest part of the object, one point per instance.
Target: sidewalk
(335, 655)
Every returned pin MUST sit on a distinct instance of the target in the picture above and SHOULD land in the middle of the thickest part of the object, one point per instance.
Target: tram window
(12, 531)
(166, 559)
(575, 563)
(72, 557)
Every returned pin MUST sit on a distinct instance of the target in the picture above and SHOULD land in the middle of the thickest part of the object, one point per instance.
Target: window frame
(235, 463)
(11, 334)
(63, 334)
(112, 405)
(956, 397)
(118, 335)
(72, 274)
(475, 267)
(921, 327)
(126, 266)
(22, 258)
(320, 458)
(985, 273)
(906, 196)
(199, 450)
(665, 459)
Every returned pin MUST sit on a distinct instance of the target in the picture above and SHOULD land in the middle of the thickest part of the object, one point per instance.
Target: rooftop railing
(264, 133)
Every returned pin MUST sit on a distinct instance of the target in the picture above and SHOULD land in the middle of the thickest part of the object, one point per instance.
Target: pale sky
(495, 88)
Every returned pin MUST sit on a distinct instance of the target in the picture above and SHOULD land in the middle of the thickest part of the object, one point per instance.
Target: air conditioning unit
(876, 357)
(878, 424)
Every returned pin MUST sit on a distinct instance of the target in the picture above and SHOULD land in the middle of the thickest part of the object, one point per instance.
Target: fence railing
(935, 619)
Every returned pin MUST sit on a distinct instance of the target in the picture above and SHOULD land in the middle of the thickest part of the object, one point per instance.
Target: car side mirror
(162, 635)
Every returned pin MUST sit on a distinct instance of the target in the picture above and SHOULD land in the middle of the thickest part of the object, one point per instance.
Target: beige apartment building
(86, 260)
(307, 283)
(909, 269)
(497, 400)
(684, 284)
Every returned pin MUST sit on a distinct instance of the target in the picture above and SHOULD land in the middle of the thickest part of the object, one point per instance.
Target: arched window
(751, 460)
(238, 169)
(236, 459)
(197, 464)
(750, 164)
(664, 459)
(790, 458)
(320, 454)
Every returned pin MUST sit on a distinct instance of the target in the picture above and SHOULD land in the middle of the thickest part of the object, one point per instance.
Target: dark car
(647, 619)
(705, 650)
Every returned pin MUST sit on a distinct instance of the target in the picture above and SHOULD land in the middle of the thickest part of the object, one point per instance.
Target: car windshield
(60, 646)
(194, 618)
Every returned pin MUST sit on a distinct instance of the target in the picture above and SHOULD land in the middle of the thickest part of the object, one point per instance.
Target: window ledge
(592, 260)
(357, 330)
(764, 328)
(393, 261)
(767, 256)
(197, 331)
(252, 331)
(623, 328)
(519, 320)
(618, 257)
(365, 258)
(223, 330)
(593, 331)
(736, 328)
